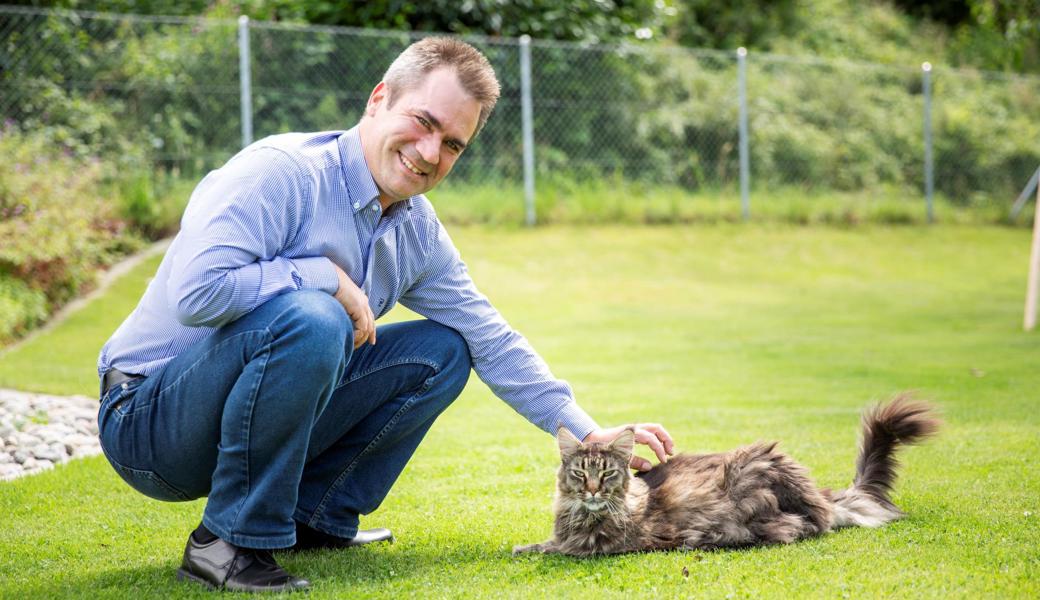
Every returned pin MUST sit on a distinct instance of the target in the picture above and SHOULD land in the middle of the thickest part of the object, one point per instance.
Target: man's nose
(429, 148)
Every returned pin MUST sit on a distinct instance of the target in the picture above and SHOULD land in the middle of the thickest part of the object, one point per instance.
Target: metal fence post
(1027, 191)
(526, 112)
(745, 167)
(245, 80)
(929, 169)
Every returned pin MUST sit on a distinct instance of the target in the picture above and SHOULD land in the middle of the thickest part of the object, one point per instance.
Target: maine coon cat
(750, 496)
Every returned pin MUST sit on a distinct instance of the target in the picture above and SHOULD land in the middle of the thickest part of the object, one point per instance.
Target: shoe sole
(183, 575)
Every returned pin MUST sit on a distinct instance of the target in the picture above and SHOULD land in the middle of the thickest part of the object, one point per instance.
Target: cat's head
(595, 475)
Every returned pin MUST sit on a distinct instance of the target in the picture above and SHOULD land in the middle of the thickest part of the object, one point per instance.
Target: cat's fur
(750, 496)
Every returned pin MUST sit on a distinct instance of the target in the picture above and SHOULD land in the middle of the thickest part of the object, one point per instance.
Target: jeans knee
(320, 326)
(454, 359)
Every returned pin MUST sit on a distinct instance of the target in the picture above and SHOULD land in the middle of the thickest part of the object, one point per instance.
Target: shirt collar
(361, 186)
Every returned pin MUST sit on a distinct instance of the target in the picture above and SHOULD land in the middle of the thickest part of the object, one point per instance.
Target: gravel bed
(38, 431)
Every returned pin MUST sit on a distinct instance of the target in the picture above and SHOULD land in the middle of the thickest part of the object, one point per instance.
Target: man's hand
(355, 302)
(649, 434)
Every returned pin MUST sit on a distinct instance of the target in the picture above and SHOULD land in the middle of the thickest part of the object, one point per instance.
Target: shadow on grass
(464, 559)
(147, 581)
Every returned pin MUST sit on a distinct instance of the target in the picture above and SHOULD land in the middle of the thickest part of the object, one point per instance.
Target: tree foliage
(577, 20)
(727, 25)
(995, 34)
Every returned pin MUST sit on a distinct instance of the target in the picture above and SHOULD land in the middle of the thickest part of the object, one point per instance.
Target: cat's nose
(592, 487)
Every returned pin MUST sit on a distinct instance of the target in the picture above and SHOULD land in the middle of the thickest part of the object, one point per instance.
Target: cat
(754, 495)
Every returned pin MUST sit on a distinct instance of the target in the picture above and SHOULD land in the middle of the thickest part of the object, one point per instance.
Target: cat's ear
(568, 443)
(624, 443)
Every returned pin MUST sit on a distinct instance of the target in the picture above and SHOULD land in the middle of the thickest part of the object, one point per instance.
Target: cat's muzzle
(594, 503)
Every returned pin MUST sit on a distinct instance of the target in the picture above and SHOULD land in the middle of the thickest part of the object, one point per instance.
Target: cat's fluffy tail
(886, 427)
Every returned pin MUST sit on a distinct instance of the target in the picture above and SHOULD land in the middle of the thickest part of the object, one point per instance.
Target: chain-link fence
(168, 92)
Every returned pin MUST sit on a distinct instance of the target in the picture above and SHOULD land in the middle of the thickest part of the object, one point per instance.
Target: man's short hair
(474, 71)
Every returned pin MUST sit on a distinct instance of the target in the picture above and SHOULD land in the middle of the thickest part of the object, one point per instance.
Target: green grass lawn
(725, 334)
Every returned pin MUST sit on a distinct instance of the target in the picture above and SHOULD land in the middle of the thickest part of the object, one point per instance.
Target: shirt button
(375, 207)
(357, 205)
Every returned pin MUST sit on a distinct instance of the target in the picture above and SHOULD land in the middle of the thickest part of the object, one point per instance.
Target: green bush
(56, 226)
(21, 308)
(151, 202)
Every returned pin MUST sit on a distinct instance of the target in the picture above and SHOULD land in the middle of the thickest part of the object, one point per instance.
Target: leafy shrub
(151, 202)
(55, 225)
(21, 307)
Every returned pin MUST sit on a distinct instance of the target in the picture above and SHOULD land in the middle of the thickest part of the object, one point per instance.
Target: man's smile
(409, 164)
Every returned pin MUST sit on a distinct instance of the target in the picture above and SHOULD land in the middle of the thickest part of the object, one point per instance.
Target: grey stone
(87, 414)
(29, 464)
(59, 449)
(77, 444)
(45, 452)
(17, 406)
(44, 464)
(10, 471)
(26, 439)
(20, 456)
(51, 437)
(5, 458)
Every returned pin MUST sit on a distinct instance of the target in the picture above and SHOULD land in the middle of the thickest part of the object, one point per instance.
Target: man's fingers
(364, 328)
(639, 463)
(659, 432)
(655, 444)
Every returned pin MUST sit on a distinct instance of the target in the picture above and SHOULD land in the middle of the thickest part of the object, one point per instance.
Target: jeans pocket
(119, 399)
(149, 483)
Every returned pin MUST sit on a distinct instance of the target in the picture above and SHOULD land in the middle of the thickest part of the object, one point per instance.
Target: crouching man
(252, 372)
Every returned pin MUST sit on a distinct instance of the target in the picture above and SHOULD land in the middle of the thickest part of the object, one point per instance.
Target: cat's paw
(527, 548)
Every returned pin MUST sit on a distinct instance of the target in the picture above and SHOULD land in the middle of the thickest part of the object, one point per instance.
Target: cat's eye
(609, 473)
(577, 474)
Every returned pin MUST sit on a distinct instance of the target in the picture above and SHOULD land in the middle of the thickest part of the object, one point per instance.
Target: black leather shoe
(308, 538)
(219, 565)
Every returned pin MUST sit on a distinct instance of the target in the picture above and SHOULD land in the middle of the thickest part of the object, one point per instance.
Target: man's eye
(454, 147)
(423, 122)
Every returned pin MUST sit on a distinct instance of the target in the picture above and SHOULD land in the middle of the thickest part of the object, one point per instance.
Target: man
(252, 372)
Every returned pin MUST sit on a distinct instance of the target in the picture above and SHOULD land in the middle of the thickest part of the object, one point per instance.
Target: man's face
(412, 145)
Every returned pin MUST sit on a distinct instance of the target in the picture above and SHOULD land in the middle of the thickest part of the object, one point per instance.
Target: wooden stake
(1034, 269)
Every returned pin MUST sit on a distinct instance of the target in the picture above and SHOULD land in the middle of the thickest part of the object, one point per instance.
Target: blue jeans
(276, 419)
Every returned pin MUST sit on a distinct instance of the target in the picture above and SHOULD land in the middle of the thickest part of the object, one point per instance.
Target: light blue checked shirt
(275, 218)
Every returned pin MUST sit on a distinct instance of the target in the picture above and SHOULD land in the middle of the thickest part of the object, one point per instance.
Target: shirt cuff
(576, 420)
(316, 273)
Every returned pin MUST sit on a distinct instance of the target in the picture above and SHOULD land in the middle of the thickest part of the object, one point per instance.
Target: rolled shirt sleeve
(502, 357)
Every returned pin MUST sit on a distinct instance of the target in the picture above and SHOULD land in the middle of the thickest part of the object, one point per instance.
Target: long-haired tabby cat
(750, 496)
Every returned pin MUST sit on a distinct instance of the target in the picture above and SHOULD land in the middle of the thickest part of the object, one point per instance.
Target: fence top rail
(625, 47)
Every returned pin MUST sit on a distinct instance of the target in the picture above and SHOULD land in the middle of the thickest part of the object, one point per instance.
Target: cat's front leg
(543, 548)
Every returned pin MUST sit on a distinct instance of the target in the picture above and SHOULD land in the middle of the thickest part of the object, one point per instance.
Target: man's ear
(380, 95)
(568, 443)
(624, 443)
